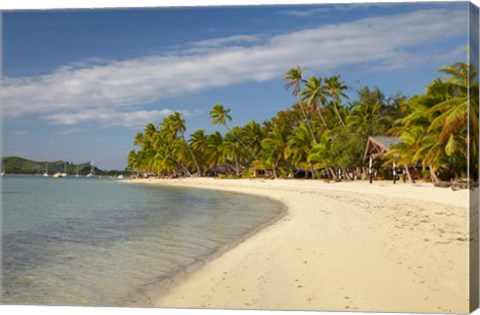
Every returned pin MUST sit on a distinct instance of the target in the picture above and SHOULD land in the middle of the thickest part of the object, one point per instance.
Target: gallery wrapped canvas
(319, 157)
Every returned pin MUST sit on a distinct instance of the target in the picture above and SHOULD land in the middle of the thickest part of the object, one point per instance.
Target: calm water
(83, 241)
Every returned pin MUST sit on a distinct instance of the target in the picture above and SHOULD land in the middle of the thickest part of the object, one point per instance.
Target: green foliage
(19, 165)
(324, 131)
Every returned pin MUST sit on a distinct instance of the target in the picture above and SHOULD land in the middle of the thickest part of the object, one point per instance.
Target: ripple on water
(93, 242)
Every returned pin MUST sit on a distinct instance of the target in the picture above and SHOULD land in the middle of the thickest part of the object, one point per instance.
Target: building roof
(379, 145)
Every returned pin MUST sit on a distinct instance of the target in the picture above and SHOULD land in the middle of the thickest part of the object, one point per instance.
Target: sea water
(86, 241)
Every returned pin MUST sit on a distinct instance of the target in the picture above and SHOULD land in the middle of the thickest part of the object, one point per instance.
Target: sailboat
(92, 169)
(64, 174)
(46, 170)
(77, 171)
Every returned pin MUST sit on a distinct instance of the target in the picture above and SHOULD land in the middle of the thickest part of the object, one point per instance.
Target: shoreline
(341, 247)
(143, 296)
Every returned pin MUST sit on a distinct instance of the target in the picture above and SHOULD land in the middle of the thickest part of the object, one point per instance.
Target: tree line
(324, 133)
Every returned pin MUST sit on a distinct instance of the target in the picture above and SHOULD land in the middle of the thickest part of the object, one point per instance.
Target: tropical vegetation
(323, 134)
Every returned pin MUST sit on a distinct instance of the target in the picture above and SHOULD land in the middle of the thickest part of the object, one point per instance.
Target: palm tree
(252, 134)
(298, 148)
(233, 148)
(215, 153)
(133, 161)
(273, 150)
(366, 119)
(176, 125)
(406, 152)
(315, 95)
(294, 77)
(335, 89)
(198, 143)
(219, 116)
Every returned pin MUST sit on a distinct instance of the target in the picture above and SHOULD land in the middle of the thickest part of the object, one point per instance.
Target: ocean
(92, 242)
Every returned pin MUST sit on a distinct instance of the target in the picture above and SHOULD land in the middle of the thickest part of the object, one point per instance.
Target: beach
(347, 246)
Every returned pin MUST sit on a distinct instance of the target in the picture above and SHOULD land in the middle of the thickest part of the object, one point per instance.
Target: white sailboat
(92, 169)
(77, 172)
(64, 174)
(46, 170)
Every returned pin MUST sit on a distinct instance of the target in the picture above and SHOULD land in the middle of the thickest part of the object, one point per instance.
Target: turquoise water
(84, 241)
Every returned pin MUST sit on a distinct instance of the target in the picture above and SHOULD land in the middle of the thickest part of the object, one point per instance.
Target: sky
(77, 85)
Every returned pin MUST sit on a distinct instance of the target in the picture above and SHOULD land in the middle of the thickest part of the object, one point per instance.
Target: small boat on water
(92, 170)
(57, 175)
(46, 170)
(64, 174)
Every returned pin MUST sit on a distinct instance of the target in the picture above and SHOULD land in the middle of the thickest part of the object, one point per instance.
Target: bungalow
(376, 148)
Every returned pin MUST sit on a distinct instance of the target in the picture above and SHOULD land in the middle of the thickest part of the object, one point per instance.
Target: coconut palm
(176, 126)
(198, 143)
(219, 116)
(252, 135)
(272, 150)
(298, 148)
(294, 77)
(215, 153)
(335, 88)
(315, 96)
(233, 148)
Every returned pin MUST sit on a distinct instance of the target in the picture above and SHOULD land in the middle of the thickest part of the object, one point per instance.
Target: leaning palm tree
(336, 87)
(215, 151)
(294, 77)
(298, 149)
(219, 116)
(177, 127)
(198, 143)
(252, 134)
(272, 152)
(315, 95)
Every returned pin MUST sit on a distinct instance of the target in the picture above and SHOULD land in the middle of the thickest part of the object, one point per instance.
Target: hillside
(19, 165)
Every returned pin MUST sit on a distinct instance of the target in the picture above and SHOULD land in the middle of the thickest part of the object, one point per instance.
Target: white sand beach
(342, 246)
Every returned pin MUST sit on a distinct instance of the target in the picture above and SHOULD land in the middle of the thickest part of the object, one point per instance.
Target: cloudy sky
(78, 84)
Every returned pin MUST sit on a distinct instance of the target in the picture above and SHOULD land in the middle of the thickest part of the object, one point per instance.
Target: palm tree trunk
(321, 116)
(306, 119)
(347, 175)
(241, 143)
(338, 113)
(434, 176)
(236, 163)
(185, 169)
(333, 173)
(410, 178)
(193, 157)
(274, 169)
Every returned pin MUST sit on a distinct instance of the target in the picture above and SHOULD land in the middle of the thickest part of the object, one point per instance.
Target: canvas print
(272, 157)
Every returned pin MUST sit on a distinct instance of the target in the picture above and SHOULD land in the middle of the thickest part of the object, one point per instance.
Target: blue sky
(78, 84)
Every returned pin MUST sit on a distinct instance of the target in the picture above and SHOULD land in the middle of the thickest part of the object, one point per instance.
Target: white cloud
(328, 8)
(104, 91)
(20, 133)
(70, 131)
(303, 13)
(109, 117)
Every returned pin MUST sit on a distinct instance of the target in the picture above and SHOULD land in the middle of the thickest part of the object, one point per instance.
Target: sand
(343, 247)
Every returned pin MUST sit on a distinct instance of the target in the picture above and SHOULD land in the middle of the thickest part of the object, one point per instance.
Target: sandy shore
(342, 246)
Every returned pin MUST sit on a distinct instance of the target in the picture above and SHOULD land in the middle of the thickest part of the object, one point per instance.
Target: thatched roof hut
(378, 146)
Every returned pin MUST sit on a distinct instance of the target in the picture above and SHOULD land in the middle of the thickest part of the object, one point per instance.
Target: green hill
(19, 165)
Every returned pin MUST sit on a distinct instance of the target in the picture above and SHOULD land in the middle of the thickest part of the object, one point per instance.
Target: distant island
(19, 165)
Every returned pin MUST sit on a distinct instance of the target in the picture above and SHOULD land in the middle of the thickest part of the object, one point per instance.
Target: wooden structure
(376, 148)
